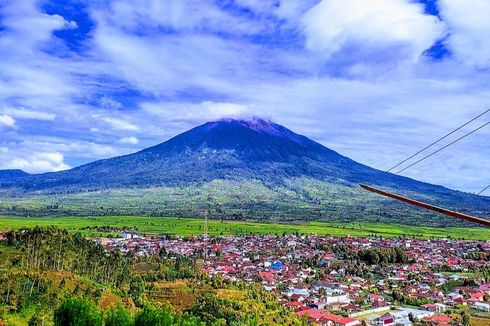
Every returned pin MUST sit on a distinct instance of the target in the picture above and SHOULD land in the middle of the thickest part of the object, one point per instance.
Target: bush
(77, 312)
(118, 316)
(153, 316)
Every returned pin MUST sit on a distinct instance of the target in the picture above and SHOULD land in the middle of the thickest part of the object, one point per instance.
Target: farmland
(106, 225)
(295, 199)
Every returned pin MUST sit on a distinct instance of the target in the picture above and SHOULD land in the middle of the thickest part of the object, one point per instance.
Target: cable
(444, 137)
(483, 190)
(444, 147)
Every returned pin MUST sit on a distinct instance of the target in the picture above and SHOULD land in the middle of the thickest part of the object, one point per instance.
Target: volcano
(246, 167)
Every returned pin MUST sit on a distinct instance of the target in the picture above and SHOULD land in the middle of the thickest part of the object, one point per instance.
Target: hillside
(235, 168)
(8, 174)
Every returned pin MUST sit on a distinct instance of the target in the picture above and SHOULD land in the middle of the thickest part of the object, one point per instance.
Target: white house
(482, 306)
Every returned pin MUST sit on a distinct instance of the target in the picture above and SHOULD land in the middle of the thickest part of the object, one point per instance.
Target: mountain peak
(254, 123)
(254, 138)
(260, 126)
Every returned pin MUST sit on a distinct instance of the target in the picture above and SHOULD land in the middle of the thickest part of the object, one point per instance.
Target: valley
(95, 226)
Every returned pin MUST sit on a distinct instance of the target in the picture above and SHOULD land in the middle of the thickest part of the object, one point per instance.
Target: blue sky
(375, 80)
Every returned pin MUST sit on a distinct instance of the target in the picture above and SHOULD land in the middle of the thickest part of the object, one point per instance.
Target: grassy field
(304, 199)
(192, 226)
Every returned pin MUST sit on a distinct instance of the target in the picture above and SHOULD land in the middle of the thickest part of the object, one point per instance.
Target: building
(438, 320)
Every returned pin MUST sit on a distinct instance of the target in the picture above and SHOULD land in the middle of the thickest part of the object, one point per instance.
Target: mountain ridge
(237, 150)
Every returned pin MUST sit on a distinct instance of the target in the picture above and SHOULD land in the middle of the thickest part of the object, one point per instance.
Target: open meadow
(105, 225)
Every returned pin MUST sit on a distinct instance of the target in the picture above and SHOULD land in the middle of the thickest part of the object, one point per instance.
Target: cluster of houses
(312, 278)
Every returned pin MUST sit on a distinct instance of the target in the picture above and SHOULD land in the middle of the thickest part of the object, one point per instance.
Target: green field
(297, 199)
(193, 226)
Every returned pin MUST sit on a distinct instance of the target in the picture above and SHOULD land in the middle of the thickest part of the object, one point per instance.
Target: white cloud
(469, 27)
(6, 120)
(163, 67)
(29, 26)
(35, 162)
(369, 34)
(33, 84)
(204, 111)
(181, 15)
(21, 113)
(83, 149)
(159, 64)
(217, 110)
(129, 140)
(119, 124)
(47, 154)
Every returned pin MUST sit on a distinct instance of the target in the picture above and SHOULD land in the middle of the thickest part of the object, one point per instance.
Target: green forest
(49, 276)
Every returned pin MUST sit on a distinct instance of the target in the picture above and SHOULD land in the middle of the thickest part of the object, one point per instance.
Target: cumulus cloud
(29, 26)
(129, 140)
(48, 153)
(469, 27)
(35, 162)
(6, 120)
(368, 34)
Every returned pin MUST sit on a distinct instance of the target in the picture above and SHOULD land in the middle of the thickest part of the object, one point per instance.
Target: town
(344, 281)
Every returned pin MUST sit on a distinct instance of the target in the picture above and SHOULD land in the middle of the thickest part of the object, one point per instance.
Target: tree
(118, 316)
(77, 312)
(136, 290)
(153, 316)
(11, 237)
(466, 319)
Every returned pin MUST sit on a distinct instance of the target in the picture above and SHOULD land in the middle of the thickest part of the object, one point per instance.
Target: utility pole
(205, 235)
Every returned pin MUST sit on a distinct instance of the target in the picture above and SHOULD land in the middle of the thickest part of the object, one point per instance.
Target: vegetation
(77, 312)
(83, 312)
(49, 276)
(374, 256)
(112, 225)
(297, 199)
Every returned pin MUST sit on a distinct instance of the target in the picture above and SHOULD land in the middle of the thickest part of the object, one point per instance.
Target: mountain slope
(15, 173)
(241, 151)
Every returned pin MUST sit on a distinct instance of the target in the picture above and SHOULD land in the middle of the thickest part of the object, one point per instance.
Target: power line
(483, 190)
(444, 147)
(434, 208)
(442, 138)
